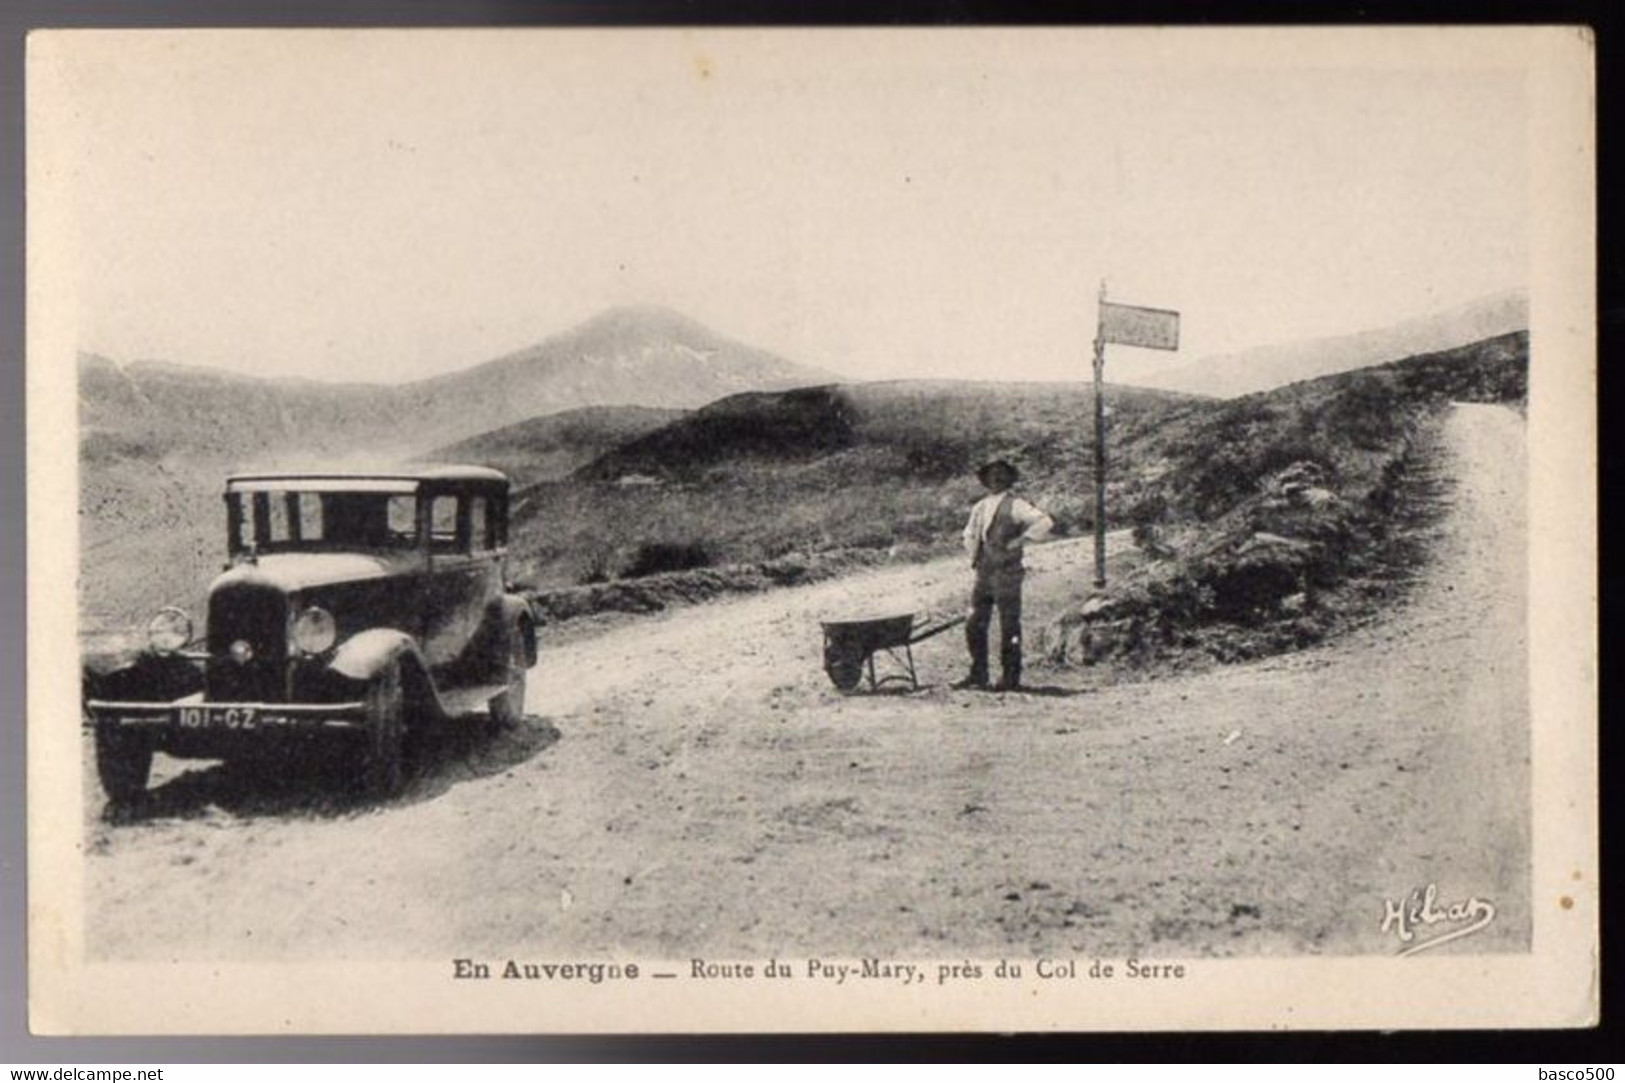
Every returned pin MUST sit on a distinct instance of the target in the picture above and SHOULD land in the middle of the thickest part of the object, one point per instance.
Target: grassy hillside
(1279, 518)
(884, 466)
(553, 446)
(151, 533)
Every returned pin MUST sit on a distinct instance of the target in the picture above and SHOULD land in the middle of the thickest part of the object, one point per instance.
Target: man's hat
(1008, 469)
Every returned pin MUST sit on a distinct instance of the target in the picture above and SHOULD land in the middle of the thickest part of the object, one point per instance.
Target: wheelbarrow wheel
(845, 669)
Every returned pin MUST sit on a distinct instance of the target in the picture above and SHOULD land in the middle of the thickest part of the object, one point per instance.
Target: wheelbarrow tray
(872, 633)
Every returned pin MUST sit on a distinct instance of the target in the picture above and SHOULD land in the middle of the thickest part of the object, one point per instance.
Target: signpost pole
(1100, 447)
(1131, 325)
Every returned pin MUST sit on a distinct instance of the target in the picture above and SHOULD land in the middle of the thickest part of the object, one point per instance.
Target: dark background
(18, 1047)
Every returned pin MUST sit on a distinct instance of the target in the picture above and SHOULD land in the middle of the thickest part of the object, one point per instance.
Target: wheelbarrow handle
(925, 633)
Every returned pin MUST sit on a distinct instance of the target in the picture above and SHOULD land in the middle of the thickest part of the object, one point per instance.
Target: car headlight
(169, 630)
(314, 630)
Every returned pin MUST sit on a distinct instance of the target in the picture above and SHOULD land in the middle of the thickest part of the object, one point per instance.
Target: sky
(390, 205)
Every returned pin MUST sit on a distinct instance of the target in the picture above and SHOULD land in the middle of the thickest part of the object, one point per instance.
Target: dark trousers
(1001, 590)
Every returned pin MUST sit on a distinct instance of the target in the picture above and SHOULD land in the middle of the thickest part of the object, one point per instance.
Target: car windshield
(271, 519)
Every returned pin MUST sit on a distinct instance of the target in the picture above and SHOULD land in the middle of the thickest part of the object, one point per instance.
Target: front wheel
(508, 708)
(383, 768)
(123, 763)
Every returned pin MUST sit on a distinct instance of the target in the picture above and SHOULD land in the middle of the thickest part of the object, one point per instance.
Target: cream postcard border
(1556, 984)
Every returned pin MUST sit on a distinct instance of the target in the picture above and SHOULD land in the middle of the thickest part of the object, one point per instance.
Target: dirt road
(691, 785)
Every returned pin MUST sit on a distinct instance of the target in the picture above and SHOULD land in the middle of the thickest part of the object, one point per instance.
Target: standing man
(1001, 524)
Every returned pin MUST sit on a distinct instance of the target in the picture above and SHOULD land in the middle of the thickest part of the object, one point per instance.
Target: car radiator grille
(256, 615)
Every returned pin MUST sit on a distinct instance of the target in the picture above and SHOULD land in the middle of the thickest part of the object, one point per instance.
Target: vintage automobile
(356, 608)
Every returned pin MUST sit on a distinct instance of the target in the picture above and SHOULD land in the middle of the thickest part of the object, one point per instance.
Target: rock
(1264, 539)
(1301, 472)
(1098, 605)
(1295, 603)
(1099, 641)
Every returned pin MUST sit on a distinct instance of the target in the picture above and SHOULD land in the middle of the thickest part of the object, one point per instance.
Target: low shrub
(653, 558)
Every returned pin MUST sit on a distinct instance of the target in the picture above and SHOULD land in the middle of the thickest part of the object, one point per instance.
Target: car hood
(301, 571)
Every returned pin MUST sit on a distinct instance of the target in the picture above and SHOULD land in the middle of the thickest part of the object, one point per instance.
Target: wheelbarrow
(850, 647)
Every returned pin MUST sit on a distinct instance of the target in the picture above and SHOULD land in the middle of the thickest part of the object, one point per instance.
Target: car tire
(383, 768)
(123, 763)
(508, 709)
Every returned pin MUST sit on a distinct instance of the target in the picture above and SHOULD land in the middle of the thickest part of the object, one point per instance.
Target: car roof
(365, 479)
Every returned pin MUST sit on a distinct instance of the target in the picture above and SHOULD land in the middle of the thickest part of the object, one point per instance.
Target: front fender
(514, 612)
(365, 654)
(150, 678)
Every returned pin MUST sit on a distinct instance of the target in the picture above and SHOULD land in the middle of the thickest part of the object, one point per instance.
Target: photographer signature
(1421, 912)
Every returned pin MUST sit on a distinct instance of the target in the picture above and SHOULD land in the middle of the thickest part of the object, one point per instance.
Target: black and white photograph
(784, 530)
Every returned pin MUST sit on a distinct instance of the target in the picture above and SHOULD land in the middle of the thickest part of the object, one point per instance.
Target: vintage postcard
(746, 530)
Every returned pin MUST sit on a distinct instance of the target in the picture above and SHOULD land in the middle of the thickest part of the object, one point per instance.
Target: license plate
(226, 718)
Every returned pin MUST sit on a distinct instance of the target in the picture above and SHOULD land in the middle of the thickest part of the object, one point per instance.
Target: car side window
(443, 523)
(403, 518)
(278, 520)
(499, 523)
(309, 522)
(240, 520)
(479, 523)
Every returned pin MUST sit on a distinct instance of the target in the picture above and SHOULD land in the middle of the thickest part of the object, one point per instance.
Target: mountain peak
(641, 314)
(639, 325)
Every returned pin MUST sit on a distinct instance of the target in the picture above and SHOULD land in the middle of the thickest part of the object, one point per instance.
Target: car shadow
(321, 784)
(468, 749)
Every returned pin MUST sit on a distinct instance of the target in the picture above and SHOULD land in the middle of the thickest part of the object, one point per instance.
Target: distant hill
(922, 429)
(634, 356)
(1265, 367)
(553, 446)
(630, 356)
